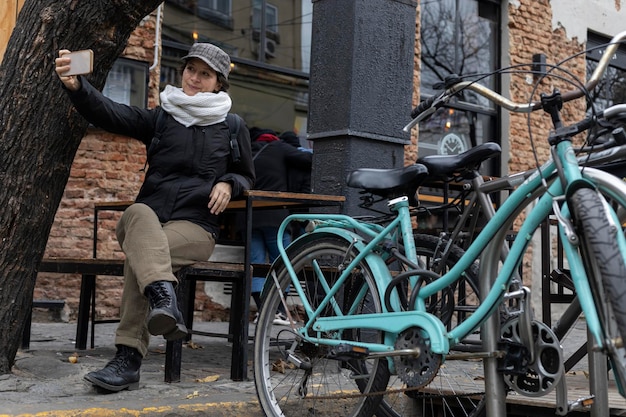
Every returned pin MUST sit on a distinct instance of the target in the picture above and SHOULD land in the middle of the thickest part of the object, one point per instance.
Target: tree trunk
(40, 133)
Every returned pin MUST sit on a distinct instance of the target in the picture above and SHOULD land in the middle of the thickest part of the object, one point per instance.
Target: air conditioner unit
(270, 48)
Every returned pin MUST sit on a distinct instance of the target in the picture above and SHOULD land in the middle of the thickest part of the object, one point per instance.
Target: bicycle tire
(605, 268)
(329, 389)
(452, 306)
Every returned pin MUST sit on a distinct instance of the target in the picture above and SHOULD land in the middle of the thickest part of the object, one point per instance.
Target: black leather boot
(122, 372)
(165, 318)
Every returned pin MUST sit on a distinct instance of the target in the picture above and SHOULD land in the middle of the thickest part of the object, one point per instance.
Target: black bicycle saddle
(388, 182)
(448, 165)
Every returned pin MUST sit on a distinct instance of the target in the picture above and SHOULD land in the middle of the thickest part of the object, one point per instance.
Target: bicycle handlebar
(427, 107)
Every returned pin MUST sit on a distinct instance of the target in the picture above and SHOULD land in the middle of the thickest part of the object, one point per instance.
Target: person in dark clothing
(273, 159)
(298, 179)
(174, 221)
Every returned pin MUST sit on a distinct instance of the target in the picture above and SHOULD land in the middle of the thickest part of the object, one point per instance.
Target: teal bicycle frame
(365, 237)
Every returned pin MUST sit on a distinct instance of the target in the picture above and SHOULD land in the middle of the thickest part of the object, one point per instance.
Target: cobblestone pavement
(45, 382)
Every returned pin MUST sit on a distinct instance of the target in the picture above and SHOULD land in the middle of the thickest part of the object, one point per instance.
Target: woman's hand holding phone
(70, 64)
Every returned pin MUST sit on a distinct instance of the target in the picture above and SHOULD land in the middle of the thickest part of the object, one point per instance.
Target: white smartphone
(82, 62)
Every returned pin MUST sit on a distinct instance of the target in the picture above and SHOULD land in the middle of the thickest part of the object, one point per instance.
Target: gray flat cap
(212, 55)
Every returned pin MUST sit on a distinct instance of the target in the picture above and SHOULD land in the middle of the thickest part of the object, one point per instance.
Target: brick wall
(555, 45)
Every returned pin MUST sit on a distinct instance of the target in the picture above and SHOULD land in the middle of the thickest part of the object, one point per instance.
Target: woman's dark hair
(220, 77)
(223, 82)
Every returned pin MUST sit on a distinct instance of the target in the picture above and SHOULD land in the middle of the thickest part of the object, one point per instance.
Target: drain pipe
(157, 38)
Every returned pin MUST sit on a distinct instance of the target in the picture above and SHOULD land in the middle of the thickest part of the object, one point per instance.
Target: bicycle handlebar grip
(423, 106)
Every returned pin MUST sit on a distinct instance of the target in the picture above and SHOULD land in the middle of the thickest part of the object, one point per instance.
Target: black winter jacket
(273, 163)
(183, 166)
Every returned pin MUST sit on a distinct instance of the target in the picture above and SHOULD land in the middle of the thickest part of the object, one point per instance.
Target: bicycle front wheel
(606, 270)
(297, 378)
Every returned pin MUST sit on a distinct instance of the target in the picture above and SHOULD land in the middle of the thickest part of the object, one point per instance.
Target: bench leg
(239, 359)
(173, 357)
(186, 296)
(87, 290)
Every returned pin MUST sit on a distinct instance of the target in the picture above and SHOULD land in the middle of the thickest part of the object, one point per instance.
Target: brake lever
(427, 113)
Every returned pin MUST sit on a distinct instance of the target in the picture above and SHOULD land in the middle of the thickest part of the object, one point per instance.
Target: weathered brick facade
(522, 45)
(107, 167)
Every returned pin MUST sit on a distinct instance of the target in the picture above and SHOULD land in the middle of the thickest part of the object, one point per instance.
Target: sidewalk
(45, 383)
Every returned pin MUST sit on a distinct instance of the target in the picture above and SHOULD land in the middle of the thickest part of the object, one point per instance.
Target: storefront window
(611, 87)
(458, 37)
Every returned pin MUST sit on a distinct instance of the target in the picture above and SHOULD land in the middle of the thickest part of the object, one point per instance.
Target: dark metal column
(360, 89)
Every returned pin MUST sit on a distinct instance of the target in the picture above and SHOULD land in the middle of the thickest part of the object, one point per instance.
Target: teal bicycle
(364, 332)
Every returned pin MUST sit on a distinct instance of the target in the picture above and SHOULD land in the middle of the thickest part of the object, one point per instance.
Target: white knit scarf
(201, 109)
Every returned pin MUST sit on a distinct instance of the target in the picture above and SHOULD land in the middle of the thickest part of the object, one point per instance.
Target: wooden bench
(88, 268)
(239, 274)
(234, 273)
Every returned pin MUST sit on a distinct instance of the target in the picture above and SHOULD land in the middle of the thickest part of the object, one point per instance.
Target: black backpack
(232, 120)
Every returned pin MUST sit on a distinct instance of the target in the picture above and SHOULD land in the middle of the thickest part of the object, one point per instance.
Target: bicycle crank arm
(498, 354)
(454, 356)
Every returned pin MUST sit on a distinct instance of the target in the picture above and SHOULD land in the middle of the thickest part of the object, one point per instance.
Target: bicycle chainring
(540, 377)
(416, 371)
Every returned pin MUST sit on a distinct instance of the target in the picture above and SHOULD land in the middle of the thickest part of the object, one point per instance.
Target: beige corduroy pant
(154, 252)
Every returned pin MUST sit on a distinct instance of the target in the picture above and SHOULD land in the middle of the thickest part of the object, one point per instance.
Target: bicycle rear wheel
(297, 378)
(457, 389)
(606, 270)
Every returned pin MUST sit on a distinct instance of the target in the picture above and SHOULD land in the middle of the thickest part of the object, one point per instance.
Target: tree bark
(40, 132)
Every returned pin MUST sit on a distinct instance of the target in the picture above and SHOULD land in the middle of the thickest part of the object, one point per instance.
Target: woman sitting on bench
(191, 178)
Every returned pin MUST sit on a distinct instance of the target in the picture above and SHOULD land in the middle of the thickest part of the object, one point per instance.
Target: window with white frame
(216, 11)
(127, 82)
(271, 17)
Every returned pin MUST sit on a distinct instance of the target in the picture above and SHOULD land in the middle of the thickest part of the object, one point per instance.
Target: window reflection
(459, 37)
(456, 39)
(611, 87)
(127, 82)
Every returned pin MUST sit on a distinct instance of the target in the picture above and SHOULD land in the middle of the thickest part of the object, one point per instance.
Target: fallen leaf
(190, 396)
(192, 345)
(210, 378)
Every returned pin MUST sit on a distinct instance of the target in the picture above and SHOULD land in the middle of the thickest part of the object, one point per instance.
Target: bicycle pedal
(347, 352)
(583, 403)
(515, 360)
